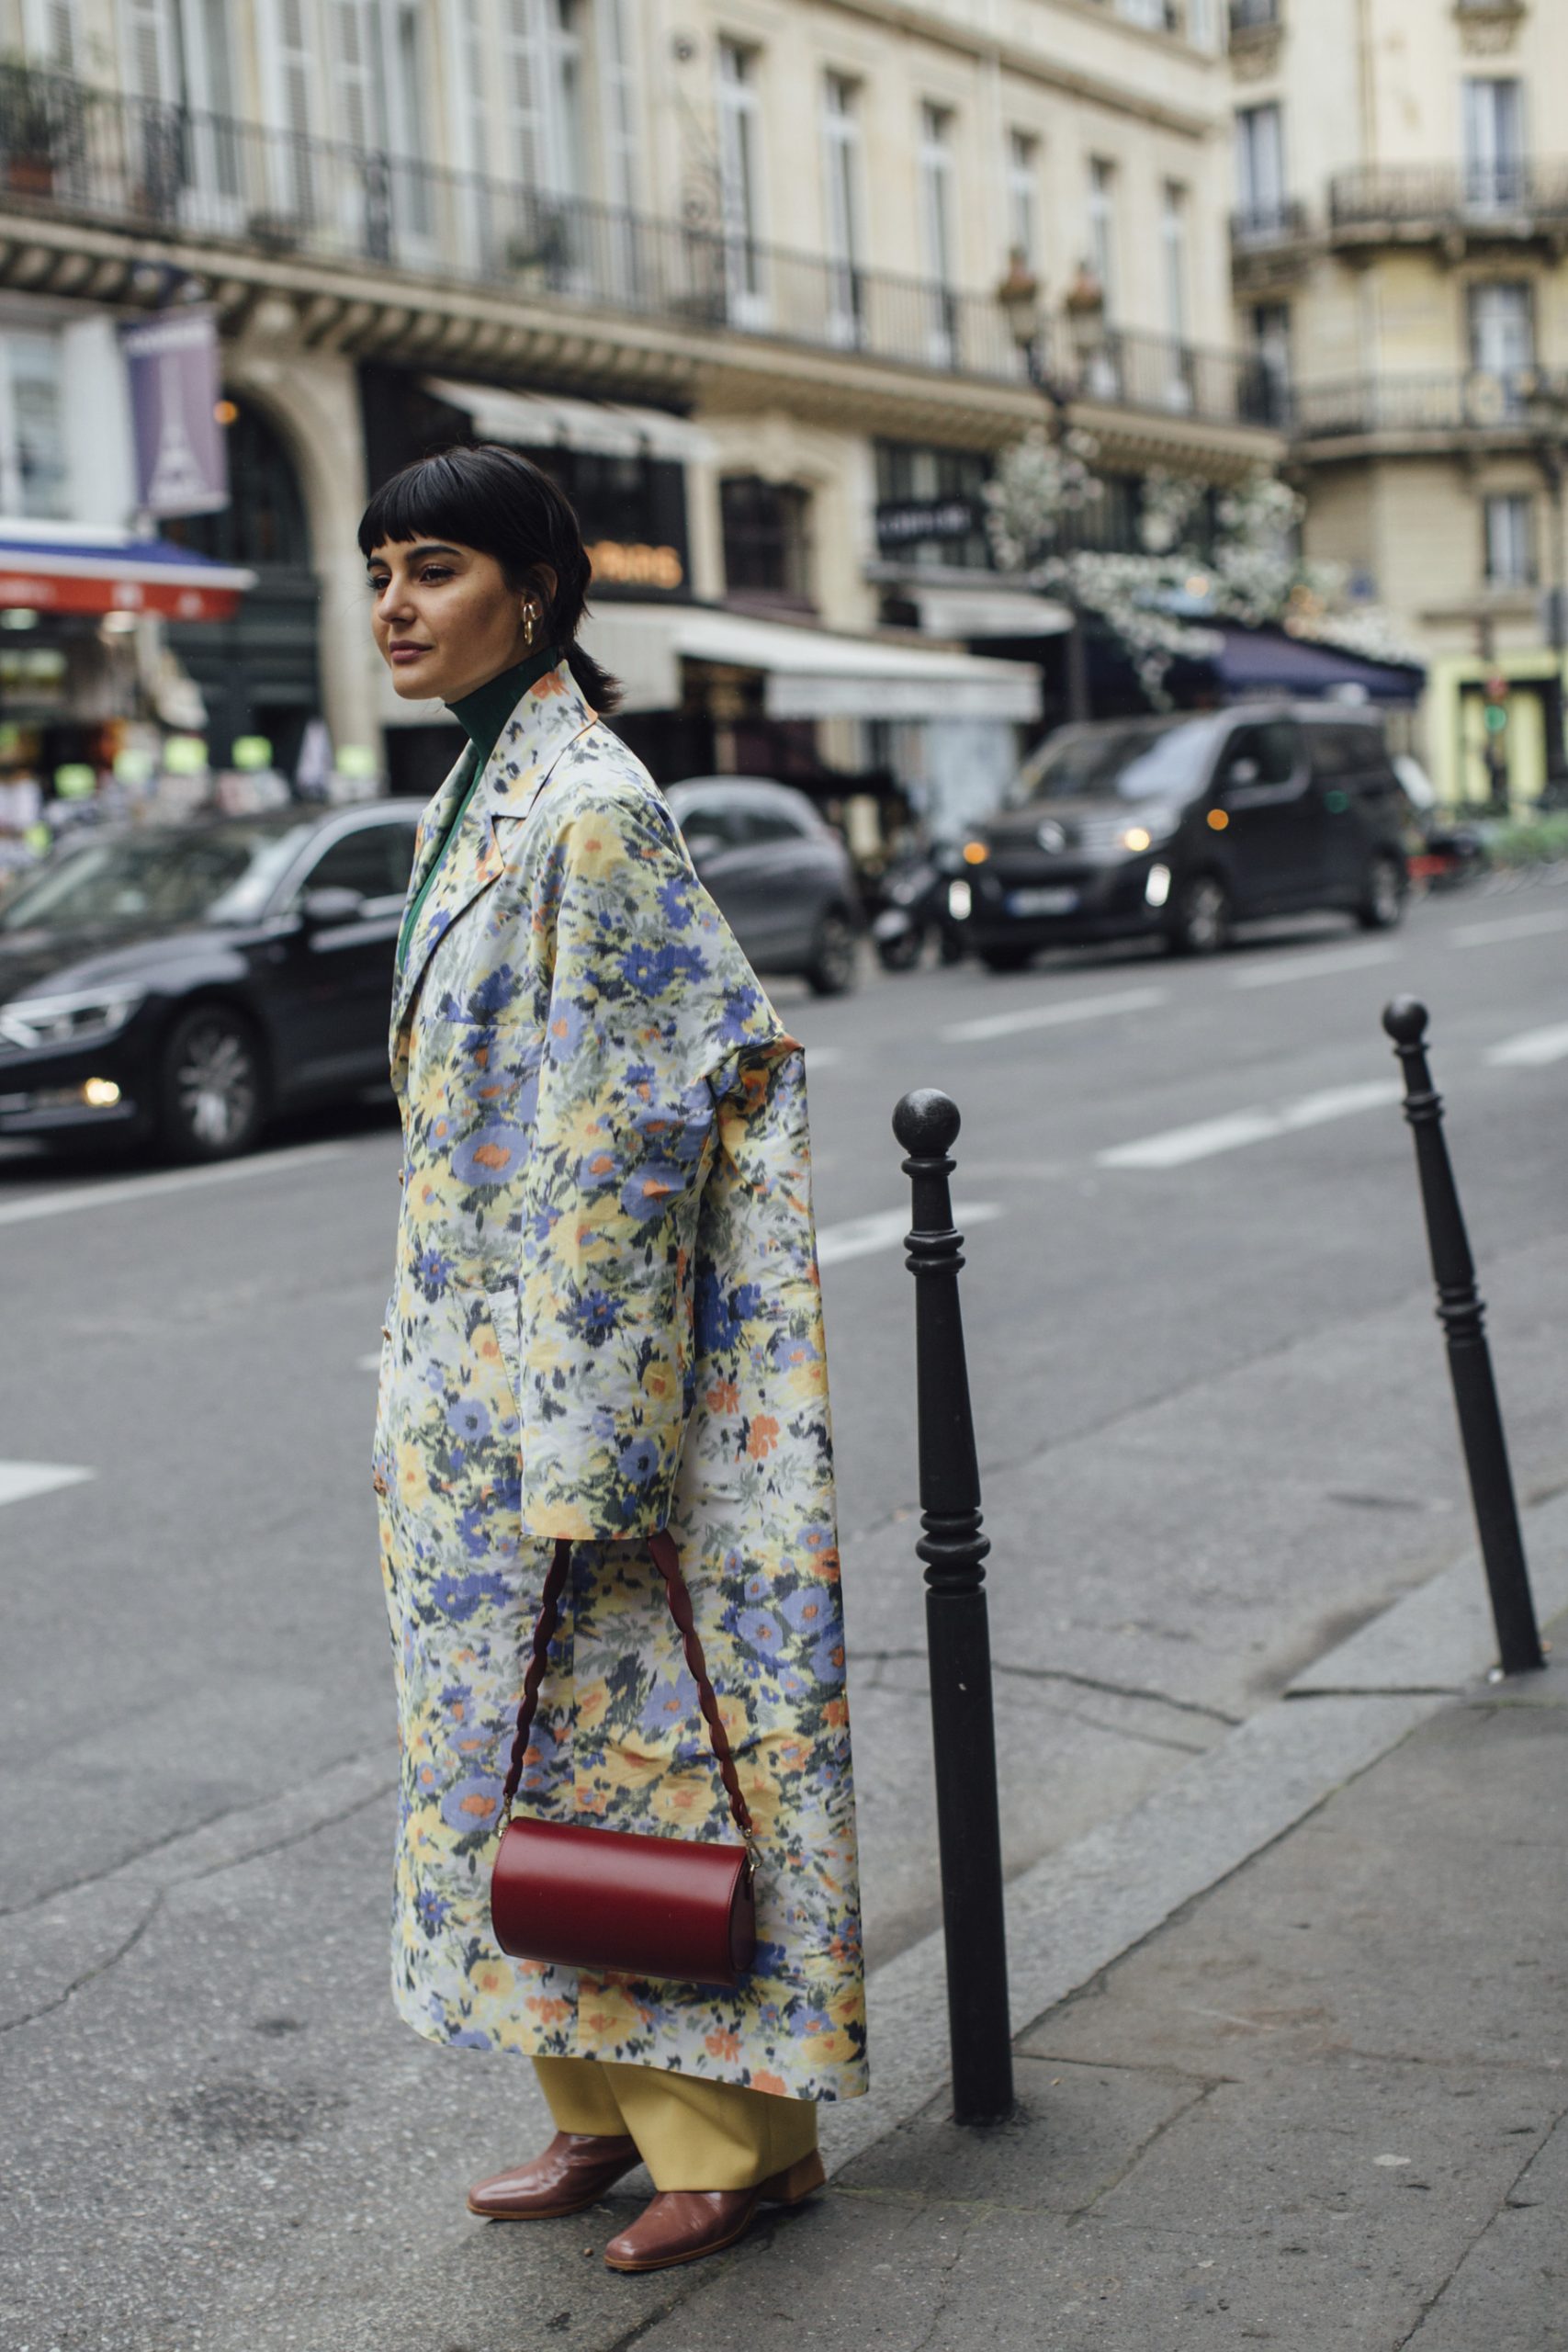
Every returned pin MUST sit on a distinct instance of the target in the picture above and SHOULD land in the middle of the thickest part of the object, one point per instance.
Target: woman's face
(445, 619)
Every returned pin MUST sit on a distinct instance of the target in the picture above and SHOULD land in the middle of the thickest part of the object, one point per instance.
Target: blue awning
(1257, 660)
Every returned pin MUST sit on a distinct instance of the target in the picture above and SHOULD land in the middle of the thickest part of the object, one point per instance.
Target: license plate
(1055, 901)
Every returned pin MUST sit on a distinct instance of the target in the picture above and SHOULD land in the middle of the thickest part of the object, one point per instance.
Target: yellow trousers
(689, 2132)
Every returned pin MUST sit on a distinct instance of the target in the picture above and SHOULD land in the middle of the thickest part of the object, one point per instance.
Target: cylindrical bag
(612, 1901)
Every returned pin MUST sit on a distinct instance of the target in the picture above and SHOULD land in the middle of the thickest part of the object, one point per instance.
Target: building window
(1023, 197)
(1493, 142)
(844, 163)
(939, 233)
(49, 33)
(1501, 336)
(618, 77)
(34, 478)
(1173, 256)
(1102, 229)
(930, 506)
(1260, 168)
(767, 546)
(1510, 540)
(740, 170)
(1272, 341)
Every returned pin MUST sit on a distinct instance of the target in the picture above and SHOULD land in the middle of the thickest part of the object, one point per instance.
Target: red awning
(104, 574)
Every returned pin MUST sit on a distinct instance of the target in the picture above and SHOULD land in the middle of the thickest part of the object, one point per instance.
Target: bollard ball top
(926, 1123)
(1405, 1020)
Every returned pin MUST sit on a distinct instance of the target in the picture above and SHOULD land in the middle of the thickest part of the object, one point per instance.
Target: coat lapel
(551, 714)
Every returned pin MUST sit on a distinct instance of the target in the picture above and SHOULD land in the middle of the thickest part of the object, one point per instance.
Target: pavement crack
(1436, 2297)
(1179, 2115)
(89, 1975)
(860, 1659)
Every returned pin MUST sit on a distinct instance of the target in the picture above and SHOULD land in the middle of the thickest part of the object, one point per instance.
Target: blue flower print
(471, 1804)
(640, 1460)
(468, 1419)
(594, 1315)
(492, 1156)
(496, 990)
(761, 1631)
(653, 970)
(649, 1190)
(460, 1596)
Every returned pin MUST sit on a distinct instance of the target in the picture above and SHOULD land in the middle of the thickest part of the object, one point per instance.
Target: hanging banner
(182, 466)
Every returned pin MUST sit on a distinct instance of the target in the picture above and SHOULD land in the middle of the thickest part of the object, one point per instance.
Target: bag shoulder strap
(667, 1560)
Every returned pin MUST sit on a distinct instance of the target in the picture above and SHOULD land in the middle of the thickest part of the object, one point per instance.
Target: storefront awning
(556, 421)
(1255, 660)
(806, 673)
(57, 569)
(988, 612)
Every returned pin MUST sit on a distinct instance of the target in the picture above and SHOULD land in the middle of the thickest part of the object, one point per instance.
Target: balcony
(1424, 410)
(147, 171)
(1256, 227)
(1510, 200)
(1248, 16)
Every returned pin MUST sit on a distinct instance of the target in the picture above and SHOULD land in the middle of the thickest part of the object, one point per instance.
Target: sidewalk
(1325, 2106)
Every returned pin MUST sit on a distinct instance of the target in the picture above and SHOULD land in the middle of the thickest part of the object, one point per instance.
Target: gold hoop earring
(527, 624)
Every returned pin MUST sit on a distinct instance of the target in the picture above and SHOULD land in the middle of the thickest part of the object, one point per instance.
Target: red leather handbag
(612, 1901)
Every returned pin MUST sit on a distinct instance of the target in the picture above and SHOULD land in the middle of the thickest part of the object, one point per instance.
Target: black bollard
(957, 1635)
(1462, 1316)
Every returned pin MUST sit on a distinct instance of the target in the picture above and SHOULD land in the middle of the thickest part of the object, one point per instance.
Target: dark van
(1178, 828)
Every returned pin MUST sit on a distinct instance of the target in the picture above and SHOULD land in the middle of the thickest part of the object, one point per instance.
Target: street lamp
(1022, 297)
(1546, 407)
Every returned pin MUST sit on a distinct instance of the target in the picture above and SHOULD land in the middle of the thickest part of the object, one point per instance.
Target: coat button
(386, 1331)
(379, 1483)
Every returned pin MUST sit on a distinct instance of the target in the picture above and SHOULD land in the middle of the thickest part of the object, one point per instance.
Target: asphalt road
(1214, 1435)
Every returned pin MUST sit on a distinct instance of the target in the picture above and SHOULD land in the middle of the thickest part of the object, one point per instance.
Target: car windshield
(1146, 759)
(221, 874)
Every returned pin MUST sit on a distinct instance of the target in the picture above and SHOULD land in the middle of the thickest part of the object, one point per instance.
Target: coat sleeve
(649, 1001)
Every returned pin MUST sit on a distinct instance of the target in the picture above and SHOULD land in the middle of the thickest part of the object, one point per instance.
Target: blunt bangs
(433, 500)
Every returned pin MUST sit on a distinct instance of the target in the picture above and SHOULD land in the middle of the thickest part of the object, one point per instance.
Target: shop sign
(182, 465)
(623, 563)
(900, 522)
(53, 592)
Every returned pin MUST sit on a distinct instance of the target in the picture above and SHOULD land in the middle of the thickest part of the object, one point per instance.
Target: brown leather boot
(573, 2173)
(682, 2225)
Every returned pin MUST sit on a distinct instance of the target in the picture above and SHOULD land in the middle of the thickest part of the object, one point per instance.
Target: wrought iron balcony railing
(1509, 192)
(101, 157)
(1480, 400)
(1279, 221)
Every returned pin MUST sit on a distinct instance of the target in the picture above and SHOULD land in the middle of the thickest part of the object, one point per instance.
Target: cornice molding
(910, 17)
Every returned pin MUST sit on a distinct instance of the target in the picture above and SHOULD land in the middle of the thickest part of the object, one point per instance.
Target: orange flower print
(723, 1396)
(723, 2044)
(762, 1437)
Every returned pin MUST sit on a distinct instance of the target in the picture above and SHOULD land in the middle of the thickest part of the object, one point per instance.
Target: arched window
(264, 523)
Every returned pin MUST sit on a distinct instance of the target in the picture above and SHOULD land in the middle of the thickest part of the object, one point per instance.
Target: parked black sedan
(781, 876)
(179, 984)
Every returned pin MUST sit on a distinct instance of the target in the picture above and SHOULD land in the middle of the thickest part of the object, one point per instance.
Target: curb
(1076, 1911)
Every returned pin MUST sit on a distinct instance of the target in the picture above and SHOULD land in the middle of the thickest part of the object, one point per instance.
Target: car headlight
(44, 1024)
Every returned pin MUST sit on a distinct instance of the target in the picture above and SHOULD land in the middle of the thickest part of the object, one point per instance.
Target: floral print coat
(606, 1320)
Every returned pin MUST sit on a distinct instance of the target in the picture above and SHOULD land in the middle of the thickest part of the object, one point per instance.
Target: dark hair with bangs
(492, 499)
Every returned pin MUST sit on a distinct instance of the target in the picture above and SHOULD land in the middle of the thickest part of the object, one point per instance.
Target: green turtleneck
(481, 716)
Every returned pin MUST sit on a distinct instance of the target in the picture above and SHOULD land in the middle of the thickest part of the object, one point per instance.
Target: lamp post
(1546, 406)
(1020, 295)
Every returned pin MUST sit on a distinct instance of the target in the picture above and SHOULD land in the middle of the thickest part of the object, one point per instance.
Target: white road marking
(1531, 1050)
(1178, 1145)
(19, 1481)
(178, 1179)
(1482, 935)
(859, 1236)
(1309, 966)
(1051, 1016)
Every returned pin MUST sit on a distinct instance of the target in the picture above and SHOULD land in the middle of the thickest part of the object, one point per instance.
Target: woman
(605, 1322)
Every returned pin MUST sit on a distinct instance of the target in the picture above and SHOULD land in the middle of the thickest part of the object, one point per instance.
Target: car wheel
(1384, 902)
(902, 955)
(1006, 959)
(831, 971)
(1202, 924)
(213, 1091)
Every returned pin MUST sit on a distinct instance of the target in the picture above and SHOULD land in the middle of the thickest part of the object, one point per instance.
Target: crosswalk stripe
(1482, 934)
(20, 1481)
(1051, 1016)
(859, 1236)
(178, 1179)
(1532, 1049)
(1313, 966)
(1179, 1146)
